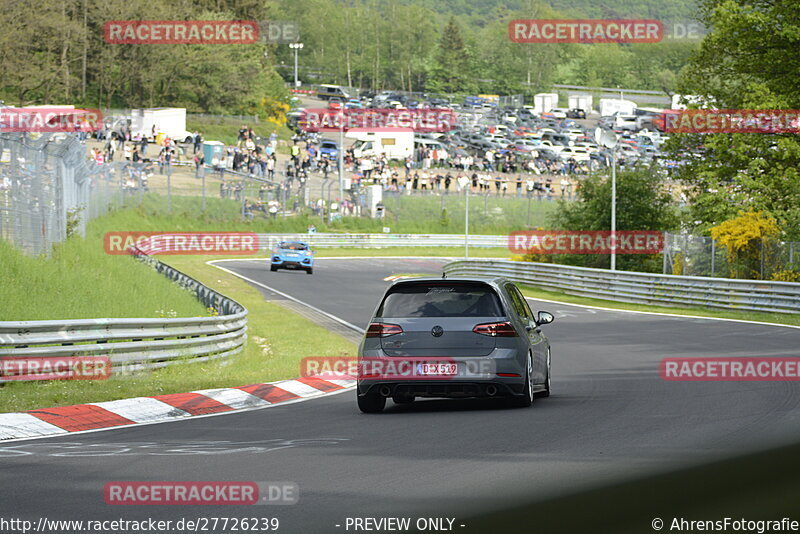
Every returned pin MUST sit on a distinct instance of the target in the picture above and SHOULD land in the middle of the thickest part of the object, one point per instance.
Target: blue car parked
(292, 255)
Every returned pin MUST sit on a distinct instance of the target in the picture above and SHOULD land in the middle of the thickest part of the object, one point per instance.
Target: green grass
(416, 214)
(81, 281)
(277, 342)
(778, 318)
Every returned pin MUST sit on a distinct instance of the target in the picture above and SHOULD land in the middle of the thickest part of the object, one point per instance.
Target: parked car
(576, 113)
(576, 153)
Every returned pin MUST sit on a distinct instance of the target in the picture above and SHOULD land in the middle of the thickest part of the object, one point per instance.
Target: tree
(748, 61)
(747, 238)
(642, 204)
(452, 71)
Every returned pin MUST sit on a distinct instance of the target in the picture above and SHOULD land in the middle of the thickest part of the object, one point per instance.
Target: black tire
(273, 268)
(403, 399)
(526, 399)
(546, 392)
(371, 402)
(310, 270)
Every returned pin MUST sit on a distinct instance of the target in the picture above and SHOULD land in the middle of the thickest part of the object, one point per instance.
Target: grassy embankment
(82, 281)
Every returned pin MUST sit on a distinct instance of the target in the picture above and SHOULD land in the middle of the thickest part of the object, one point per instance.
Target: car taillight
(504, 329)
(383, 330)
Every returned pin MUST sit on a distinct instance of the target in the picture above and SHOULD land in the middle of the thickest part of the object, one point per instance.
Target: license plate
(437, 369)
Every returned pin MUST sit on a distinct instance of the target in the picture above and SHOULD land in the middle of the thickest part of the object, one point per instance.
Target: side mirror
(545, 318)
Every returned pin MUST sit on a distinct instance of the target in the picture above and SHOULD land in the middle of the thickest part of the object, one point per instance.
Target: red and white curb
(146, 410)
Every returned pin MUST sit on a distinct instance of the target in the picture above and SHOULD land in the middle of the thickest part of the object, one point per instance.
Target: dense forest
(477, 9)
(421, 45)
(54, 52)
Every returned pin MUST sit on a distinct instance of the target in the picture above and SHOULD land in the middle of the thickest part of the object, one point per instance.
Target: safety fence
(643, 288)
(134, 344)
(48, 189)
(693, 255)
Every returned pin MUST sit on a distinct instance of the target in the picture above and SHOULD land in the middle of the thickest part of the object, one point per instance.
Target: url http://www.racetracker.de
(166, 526)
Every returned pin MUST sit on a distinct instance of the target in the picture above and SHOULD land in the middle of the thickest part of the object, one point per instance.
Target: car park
(457, 338)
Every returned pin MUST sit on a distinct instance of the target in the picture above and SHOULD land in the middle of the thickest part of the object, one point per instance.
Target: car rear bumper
(502, 368)
(444, 389)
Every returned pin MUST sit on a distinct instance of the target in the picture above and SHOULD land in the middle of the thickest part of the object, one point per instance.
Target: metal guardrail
(642, 288)
(135, 344)
(267, 241)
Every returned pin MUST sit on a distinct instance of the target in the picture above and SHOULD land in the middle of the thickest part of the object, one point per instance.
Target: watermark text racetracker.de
(586, 31)
(55, 368)
(183, 243)
(420, 120)
(764, 121)
(396, 368)
(199, 31)
(742, 369)
(49, 119)
(201, 493)
(585, 242)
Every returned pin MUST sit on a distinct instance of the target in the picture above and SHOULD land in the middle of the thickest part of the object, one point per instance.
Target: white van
(326, 92)
(398, 144)
(625, 122)
(430, 144)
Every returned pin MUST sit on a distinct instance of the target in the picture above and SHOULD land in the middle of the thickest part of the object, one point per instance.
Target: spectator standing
(199, 161)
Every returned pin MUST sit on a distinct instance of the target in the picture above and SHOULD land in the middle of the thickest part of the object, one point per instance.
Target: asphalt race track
(610, 419)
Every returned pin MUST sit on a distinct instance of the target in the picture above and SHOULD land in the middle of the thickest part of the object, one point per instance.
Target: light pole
(340, 154)
(296, 47)
(609, 140)
(614, 208)
(466, 224)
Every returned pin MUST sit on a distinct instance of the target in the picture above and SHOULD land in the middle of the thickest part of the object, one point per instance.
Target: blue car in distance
(329, 149)
(292, 255)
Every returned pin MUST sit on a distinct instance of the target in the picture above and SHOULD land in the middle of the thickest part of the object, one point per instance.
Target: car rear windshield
(293, 246)
(437, 299)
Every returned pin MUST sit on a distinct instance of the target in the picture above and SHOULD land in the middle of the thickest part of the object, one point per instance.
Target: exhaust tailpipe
(385, 391)
(491, 390)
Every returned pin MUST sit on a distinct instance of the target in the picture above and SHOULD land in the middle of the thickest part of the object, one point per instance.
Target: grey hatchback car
(453, 337)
